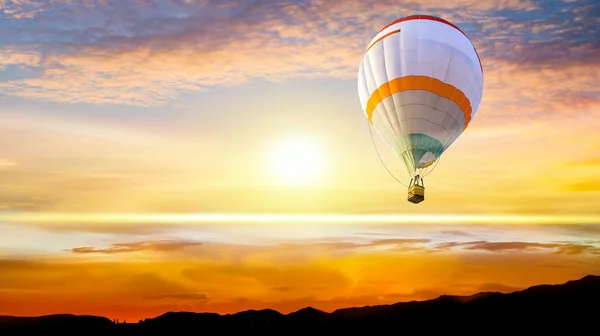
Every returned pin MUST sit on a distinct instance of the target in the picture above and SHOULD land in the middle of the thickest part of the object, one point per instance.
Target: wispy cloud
(157, 246)
(512, 246)
(344, 244)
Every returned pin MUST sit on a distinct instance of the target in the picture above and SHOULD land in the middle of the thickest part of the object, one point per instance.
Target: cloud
(513, 246)
(18, 57)
(506, 246)
(149, 52)
(581, 231)
(560, 89)
(390, 242)
(578, 249)
(345, 246)
(155, 246)
(458, 233)
(400, 241)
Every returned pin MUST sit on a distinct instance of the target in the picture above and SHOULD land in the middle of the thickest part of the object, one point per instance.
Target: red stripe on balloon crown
(432, 18)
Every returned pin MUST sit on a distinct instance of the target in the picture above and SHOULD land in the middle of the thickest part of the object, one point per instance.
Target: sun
(297, 162)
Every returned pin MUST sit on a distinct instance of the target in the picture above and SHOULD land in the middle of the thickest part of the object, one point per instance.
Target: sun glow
(297, 162)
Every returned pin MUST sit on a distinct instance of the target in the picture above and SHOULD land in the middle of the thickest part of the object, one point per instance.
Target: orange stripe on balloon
(424, 83)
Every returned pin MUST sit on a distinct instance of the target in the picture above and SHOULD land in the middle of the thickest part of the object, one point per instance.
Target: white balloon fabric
(420, 83)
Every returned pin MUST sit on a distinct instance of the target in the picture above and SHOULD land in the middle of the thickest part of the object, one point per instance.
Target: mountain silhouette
(572, 307)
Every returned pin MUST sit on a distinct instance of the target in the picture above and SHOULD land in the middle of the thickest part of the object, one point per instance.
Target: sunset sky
(141, 142)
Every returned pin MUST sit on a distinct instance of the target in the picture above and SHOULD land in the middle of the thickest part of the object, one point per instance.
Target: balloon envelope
(420, 83)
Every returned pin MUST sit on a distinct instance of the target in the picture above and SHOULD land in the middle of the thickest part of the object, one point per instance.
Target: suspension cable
(379, 156)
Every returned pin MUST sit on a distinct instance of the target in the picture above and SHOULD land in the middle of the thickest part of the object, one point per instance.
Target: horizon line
(91, 217)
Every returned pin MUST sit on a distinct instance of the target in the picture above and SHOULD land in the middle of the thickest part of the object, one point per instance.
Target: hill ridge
(572, 303)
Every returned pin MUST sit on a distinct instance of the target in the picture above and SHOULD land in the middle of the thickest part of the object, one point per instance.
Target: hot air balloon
(420, 83)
